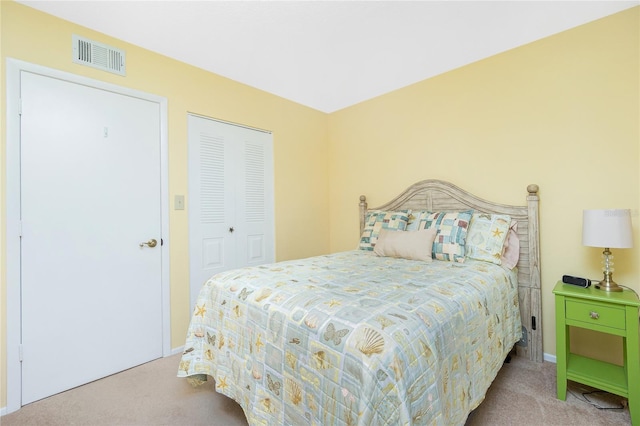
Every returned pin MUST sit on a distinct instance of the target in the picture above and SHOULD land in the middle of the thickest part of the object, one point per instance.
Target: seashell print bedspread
(352, 338)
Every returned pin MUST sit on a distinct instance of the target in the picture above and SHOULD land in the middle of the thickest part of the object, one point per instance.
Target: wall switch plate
(178, 203)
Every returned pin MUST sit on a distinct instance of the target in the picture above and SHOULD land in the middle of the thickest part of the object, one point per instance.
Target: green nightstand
(607, 312)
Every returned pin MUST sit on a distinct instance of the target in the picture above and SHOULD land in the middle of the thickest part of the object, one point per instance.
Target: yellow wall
(299, 135)
(561, 112)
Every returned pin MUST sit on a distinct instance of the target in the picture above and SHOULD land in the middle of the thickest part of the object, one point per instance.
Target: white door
(90, 194)
(231, 221)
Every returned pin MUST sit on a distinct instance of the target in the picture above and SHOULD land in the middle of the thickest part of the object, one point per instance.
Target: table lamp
(607, 229)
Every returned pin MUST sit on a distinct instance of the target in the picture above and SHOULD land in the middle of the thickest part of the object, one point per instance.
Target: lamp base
(607, 283)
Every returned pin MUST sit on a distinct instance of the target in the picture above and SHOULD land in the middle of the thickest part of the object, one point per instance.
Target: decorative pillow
(377, 220)
(412, 245)
(451, 234)
(511, 248)
(486, 236)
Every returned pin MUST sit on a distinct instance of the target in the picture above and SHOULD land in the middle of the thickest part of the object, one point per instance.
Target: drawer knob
(594, 315)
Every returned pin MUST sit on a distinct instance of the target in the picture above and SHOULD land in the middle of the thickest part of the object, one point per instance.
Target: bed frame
(437, 195)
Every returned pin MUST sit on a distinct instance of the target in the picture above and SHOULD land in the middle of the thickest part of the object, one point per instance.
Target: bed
(381, 334)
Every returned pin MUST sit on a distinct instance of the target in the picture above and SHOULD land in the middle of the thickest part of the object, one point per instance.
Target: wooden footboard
(437, 195)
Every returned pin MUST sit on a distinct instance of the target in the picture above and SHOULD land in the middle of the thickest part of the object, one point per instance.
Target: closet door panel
(210, 202)
(231, 221)
(255, 201)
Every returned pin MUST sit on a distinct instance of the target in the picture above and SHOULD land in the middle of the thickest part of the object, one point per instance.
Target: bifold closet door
(230, 201)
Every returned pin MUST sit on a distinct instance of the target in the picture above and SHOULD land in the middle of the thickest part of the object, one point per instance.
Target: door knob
(150, 243)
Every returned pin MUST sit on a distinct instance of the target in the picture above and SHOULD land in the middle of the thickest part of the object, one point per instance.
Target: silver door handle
(150, 243)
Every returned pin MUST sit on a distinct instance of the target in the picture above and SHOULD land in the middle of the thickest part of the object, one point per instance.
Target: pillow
(486, 236)
(451, 235)
(511, 248)
(414, 219)
(377, 220)
(412, 245)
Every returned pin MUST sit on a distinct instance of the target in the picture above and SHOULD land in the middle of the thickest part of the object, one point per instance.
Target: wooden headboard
(437, 195)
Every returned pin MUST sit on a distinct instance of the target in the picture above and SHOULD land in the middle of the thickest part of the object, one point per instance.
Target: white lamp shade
(607, 228)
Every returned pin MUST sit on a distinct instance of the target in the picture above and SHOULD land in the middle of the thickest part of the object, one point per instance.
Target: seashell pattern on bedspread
(352, 338)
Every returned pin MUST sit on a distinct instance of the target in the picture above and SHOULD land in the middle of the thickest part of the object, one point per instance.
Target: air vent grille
(98, 55)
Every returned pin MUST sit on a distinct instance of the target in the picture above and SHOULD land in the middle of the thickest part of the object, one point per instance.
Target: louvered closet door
(231, 221)
(254, 199)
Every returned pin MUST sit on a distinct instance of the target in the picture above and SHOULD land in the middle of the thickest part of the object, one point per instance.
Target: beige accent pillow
(413, 245)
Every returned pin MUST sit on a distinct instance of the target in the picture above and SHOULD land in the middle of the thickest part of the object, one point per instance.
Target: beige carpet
(522, 394)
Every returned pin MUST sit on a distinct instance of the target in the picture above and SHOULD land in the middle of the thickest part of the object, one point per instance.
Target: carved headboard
(437, 195)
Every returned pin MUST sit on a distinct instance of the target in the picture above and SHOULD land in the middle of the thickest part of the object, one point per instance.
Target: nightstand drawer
(596, 313)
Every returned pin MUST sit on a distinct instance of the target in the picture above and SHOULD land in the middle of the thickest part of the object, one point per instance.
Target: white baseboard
(549, 358)
(3, 411)
(176, 351)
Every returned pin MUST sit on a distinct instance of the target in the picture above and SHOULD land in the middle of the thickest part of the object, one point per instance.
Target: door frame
(12, 214)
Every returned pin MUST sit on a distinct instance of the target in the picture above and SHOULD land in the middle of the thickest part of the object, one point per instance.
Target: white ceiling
(329, 54)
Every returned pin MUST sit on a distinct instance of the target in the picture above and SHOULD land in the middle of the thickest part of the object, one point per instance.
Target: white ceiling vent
(98, 55)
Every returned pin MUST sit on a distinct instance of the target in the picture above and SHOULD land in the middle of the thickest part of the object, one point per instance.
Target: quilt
(353, 338)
